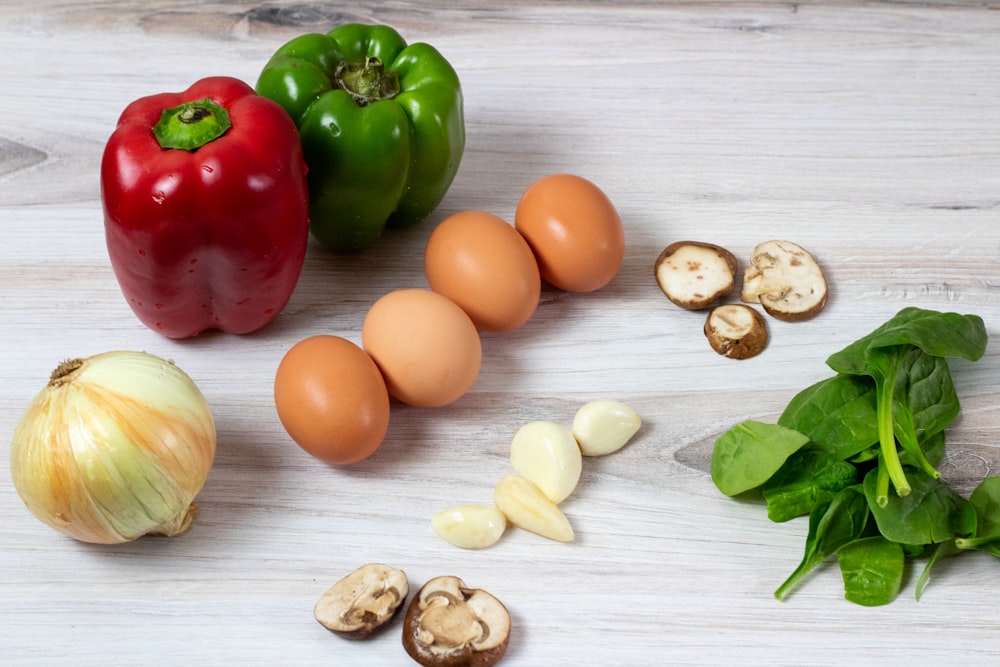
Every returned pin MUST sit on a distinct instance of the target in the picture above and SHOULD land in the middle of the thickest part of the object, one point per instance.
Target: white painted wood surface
(867, 132)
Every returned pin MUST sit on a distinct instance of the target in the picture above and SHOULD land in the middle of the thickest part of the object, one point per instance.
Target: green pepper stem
(191, 125)
(367, 81)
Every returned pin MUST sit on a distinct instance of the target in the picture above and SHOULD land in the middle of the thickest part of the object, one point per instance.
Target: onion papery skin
(116, 446)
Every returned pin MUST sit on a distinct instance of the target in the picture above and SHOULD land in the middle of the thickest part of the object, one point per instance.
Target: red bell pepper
(205, 208)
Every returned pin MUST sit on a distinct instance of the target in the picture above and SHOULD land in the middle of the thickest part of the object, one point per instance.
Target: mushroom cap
(363, 601)
(786, 281)
(450, 625)
(736, 331)
(694, 275)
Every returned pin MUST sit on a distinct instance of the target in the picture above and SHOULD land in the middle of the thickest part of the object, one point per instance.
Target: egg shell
(574, 231)
(425, 345)
(331, 399)
(479, 261)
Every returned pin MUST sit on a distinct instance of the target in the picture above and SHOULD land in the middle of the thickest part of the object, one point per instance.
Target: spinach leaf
(872, 569)
(932, 448)
(985, 499)
(938, 334)
(831, 525)
(808, 477)
(894, 354)
(747, 455)
(865, 455)
(938, 553)
(883, 418)
(930, 514)
(925, 385)
(837, 413)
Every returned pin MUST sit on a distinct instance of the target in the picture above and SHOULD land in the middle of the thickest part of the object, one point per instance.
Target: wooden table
(867, 132)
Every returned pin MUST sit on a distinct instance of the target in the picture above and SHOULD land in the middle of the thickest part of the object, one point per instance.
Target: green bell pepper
(381, 124)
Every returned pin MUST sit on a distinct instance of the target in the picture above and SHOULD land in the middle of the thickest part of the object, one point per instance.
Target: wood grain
(865, 131)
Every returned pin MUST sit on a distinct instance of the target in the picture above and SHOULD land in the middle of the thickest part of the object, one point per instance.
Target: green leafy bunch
(857, 452)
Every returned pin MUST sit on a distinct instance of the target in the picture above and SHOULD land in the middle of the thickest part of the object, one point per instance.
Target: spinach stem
(882, 484)
(884, 384)
(790, 583)
(907, 437)
(973, 542)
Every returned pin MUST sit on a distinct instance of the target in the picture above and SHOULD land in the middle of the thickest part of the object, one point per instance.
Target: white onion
(115, 446)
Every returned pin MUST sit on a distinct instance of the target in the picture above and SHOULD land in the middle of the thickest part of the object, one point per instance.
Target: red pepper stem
(191, 125)
(367, 81)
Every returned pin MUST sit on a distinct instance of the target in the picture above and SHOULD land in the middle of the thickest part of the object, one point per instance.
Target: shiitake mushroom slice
(736, 331)
(694, 275)
(449, 624)
(785, 280)
(364, 601)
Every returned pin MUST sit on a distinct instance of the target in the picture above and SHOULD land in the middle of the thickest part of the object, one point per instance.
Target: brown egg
(484, 265)
(331, 399)
(427, 348)
(573, 230)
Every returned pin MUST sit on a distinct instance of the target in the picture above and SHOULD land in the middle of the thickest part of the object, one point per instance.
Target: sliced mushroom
(448, 624)
(363, 601)
(695, 275)
(736, 331)
(785, 280)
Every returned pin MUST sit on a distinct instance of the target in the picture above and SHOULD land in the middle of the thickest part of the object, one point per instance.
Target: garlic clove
(527, 507)
(470, 526)
(547, 454)
(604, 426)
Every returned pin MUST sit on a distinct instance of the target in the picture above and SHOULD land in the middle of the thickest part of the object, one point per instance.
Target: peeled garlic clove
(547, 454)
(527, 507)
(470, 526)
(604, 426)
